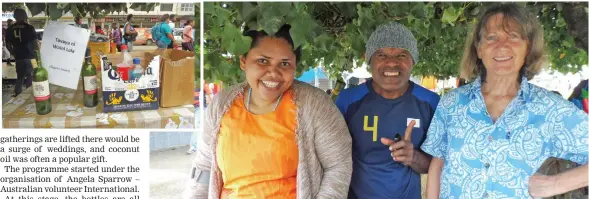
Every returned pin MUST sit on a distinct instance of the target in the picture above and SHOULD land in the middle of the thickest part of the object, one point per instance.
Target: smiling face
(391, 69)
(502, 49)
(269, 67)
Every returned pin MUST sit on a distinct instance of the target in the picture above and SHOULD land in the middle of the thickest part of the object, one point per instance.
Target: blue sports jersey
(370, 117)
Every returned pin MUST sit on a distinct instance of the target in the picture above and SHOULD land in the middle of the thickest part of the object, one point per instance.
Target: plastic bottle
(125, 66)
(127, 59)
(138, 71)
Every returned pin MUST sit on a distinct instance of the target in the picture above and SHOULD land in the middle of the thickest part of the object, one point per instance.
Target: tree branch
(576, 18)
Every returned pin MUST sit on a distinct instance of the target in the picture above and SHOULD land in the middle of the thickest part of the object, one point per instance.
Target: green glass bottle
(337, 88)
(41, 90)
(90, 82)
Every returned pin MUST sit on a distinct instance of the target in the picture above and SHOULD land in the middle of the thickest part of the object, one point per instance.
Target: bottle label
(90, 85)
(41, 90)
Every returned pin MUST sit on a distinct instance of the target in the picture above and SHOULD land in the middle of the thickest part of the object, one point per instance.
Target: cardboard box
(135, 94)
(96, 50)
(177, 77)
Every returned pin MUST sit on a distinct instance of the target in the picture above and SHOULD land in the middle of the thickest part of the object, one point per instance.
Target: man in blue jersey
(388, 117)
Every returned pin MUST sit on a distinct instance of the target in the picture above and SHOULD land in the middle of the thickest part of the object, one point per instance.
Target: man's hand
(402, 151)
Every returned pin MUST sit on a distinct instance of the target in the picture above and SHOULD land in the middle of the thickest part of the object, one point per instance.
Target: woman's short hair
(129, 17)
(471, 66)
(282, 33)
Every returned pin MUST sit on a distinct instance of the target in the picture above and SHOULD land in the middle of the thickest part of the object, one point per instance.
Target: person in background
(129, 33)
(22, 38)
(99, 30)
(117, 36)
(187, 39)
(162, 33)
(489, 138)
(579, 96)
(78, 22)
(259, 141)
(8, 49)
(172, 21)
(386, 154)
(122, 29)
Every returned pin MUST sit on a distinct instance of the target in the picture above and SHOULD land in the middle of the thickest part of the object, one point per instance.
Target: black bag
(129, 37)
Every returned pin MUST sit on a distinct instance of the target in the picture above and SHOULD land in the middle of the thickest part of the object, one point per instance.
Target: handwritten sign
(62, 51)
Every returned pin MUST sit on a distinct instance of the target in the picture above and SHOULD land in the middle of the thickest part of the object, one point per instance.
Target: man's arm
(169, 32)
(33, 35)
(128, 28)
(421, 162)
(403, 151)
(9, 38)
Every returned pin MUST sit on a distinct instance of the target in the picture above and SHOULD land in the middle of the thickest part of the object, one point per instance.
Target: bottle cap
(136, 60)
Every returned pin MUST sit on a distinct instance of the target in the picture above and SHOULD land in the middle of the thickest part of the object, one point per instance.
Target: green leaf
(348, 9)
(253, 25)
(298, 36)
(567, 44)
(274, 9)
(246, 9)
(323, 41)
(36, 8)
(54, 12)
(358, 45)
(450, 15)
(560, 22)
(62, 6)
(242, 45)
(271, 25)
(209, 7)
(475, 11)
(418, 10)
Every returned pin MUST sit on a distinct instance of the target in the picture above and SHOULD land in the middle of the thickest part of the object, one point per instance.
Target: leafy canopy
(333, 35)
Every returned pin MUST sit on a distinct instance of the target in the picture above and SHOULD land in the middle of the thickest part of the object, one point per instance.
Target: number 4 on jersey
(373, 128)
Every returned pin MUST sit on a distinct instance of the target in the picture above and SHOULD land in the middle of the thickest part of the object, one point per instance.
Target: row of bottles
(42, 93)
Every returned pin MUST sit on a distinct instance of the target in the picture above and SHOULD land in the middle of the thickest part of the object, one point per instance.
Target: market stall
(69, 112)
(97, 89)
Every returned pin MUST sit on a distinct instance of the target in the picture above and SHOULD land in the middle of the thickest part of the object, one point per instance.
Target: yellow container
(97, 48)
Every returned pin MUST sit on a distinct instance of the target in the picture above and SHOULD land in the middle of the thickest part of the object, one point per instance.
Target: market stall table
(68, 111)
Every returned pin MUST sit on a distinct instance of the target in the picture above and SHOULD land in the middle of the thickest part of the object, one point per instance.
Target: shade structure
(309, 75)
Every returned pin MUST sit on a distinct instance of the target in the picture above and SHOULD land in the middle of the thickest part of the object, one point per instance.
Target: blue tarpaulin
(309, 75)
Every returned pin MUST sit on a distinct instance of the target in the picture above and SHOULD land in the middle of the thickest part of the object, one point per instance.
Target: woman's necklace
(249, 96)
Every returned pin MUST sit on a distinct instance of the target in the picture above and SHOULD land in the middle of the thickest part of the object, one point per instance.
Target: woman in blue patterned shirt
(488, 138)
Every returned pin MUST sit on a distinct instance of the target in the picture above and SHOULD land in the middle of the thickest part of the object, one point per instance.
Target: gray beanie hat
(393, 35)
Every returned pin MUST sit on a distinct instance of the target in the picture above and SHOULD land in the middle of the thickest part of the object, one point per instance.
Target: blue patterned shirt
(483, 159)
